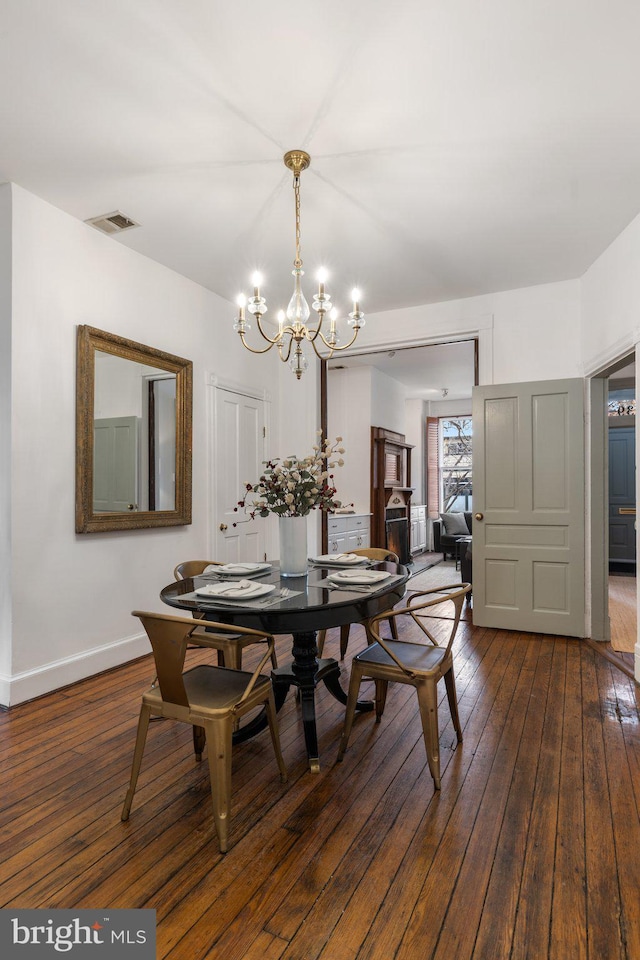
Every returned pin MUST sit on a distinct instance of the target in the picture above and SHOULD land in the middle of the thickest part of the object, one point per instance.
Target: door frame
(598, 496)
(481, 334)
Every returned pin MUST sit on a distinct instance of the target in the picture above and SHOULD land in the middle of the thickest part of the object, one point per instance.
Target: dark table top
(313, 607)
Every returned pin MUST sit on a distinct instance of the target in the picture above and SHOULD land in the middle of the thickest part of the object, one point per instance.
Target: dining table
(299, 606)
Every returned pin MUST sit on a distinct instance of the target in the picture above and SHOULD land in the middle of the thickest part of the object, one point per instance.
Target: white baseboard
(52, 676)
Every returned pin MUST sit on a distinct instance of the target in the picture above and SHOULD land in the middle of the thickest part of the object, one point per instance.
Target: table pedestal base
(305, 673)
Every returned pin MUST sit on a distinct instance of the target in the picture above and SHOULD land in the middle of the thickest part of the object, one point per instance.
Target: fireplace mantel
(391, 489)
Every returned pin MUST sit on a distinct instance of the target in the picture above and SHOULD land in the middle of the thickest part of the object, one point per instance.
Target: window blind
(433, 484)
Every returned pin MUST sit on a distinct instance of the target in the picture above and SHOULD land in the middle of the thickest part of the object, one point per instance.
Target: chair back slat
(418, 604)
(168, 637)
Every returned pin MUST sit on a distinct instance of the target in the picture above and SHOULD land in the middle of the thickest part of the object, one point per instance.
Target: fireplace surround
(391, 492)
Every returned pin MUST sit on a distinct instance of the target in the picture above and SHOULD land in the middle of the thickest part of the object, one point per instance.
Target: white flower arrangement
(294, 487)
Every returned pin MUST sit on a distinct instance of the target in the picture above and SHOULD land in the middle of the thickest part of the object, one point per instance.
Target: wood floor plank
(533, 918)
(604, 934)
(444, 833)
(568, 913)
(451, 938)
(624, 808)
(496, 924)
(366, 900)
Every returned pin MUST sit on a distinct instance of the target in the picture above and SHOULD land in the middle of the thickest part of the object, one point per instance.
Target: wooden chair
(210, 698)
(373, 553)
(418, 664)
(229, 643)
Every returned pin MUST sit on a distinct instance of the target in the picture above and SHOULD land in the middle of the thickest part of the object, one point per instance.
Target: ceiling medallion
(292, 324)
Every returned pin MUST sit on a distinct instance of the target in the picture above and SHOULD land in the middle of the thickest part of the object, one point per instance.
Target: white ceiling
(457, 148)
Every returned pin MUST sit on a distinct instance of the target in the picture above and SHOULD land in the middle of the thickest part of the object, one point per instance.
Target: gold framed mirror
(133, 434)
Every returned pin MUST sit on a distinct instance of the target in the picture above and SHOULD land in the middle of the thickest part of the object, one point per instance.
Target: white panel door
(240, 441)
(528, 499)
(115, 464)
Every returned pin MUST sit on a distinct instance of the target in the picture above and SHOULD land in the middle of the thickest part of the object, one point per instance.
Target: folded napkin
(234, 589)
(330, 558)
(358, 576)
(240, 567)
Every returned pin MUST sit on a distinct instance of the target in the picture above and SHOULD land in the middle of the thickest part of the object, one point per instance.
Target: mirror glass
(134, 435)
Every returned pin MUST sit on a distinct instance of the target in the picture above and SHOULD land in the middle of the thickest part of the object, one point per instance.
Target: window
(455, 464)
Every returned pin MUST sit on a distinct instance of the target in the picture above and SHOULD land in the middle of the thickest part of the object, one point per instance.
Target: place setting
(340, 560)
(238, 570)
(240, 593)
(357, 581)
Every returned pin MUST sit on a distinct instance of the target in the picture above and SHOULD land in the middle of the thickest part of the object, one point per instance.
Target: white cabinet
(418, 529)
(349, 531)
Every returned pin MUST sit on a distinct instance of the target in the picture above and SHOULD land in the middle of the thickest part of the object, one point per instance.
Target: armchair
(449, 529)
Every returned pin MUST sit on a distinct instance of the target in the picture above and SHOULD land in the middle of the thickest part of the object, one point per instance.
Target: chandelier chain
(296, 189)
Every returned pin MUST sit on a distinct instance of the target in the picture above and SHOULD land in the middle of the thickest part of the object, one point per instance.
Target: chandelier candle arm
(298, 312)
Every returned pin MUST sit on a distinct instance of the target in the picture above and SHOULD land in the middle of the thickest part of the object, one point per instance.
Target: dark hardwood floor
(530, 850)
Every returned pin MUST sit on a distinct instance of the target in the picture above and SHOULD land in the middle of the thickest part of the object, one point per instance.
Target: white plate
(365, 577)
(340, 560)
(238, 569)
(237, 590)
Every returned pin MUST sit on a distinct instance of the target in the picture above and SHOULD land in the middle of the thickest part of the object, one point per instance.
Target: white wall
(295, 429)
(611, 301)
(5, 430)
(527, 334)
(450, 408)
(611, 322)
(387, 402)
(359, 398)
(118, 386)
(416, 412)
(349, 417)
(72, 594)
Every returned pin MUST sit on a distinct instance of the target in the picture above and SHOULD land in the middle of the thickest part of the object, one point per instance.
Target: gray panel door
(622, 494)
(528, 485)
(115, 464)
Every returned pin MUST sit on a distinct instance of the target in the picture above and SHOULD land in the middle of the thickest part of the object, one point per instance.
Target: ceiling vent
(112, 222)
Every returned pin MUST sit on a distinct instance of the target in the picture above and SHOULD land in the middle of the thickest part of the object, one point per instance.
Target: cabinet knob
(478, 516)
(223, 527)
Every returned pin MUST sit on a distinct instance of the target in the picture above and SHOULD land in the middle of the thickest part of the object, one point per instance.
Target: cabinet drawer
(348, 521)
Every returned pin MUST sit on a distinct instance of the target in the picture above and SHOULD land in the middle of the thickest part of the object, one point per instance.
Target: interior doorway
(613, 528)
(399, 388)
(622, 560)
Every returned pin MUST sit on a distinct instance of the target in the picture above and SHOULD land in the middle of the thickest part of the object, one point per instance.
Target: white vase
(293, 546)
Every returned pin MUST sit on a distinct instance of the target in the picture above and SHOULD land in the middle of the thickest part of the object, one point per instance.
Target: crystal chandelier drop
(292, 324)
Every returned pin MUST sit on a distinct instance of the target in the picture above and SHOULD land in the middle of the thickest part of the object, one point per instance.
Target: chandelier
(293, 326)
